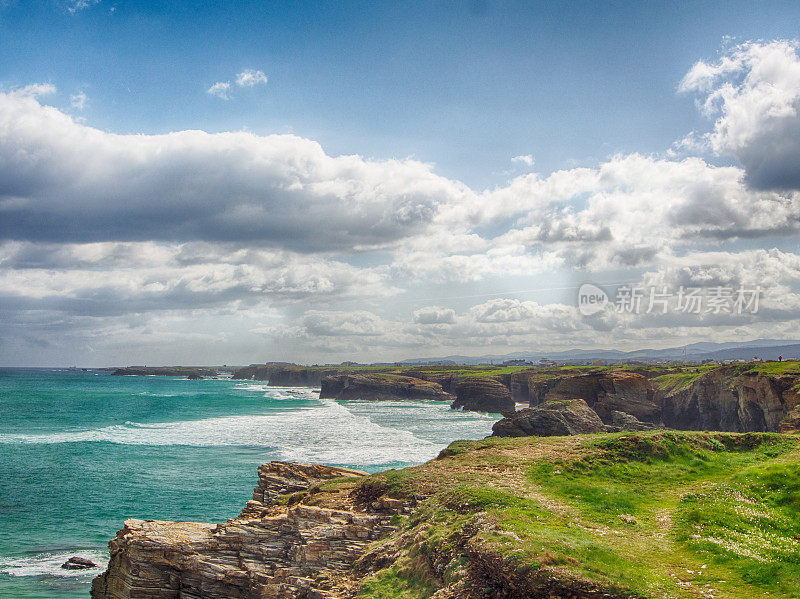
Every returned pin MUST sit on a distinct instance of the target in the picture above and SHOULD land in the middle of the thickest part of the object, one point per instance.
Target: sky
(238, 182)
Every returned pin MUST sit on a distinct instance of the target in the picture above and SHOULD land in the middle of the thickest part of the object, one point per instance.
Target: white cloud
(78, 101)
(250, 78)
(276, 190)
(755, 90)
(112, 233)
(78, 5)
(220, 89)
(434, 315)
(526, 159)
(34, 90)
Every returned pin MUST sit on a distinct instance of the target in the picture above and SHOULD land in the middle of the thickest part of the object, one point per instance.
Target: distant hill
(765, 349)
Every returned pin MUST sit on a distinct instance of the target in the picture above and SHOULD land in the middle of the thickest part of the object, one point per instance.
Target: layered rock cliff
(285, 375)
(483, 394)
(581, 517)
(381, 387)
(738, 398)
(269, 551)
(730, 399)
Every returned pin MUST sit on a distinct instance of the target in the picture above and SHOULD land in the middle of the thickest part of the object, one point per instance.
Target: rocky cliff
(483, 394)
(381, 387)
(730, 398)
(187, 371)
(286, 375)
(605, 392)
(269, 551)
(564, 517)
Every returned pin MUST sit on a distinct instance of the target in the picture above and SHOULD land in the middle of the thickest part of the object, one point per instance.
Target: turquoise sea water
(82, 451)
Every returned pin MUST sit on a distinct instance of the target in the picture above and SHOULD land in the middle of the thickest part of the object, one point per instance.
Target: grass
(656, 514)
(398, 582)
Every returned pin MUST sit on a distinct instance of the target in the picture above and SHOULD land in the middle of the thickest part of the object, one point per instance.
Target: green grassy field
(662, 514)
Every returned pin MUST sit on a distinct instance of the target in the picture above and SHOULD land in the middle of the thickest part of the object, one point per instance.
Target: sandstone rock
(483, 394)
(164, 371)
(730, 399)
(620, 421)
(278, 553)
(552, 418)
(604, 392)
(380, 387)
(284, 478)
(78, 563)
(791, 424)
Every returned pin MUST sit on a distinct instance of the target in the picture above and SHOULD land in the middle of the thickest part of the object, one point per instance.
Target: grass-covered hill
(661, 514)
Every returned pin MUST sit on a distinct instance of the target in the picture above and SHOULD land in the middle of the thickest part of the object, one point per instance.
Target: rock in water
(552, 418)
(483, 395)
(78, 563)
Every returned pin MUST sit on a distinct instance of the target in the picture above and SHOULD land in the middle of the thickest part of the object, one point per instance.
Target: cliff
(270, 550)
(187, 371)
(655, 514)
(381, 387)
(483, 394)
(286, 375)
(745, 397)
(732, 398)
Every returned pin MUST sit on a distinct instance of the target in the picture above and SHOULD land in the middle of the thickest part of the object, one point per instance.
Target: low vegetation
(658, 514)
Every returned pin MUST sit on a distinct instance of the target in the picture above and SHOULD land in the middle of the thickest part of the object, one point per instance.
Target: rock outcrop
(380, 387)
(791, 424)
(78, 563)
(280, 375)
(604, 392)
(730, 399)
(269, 552)
(552, 418)
(186, 371)
(483, 394)
(620, 421)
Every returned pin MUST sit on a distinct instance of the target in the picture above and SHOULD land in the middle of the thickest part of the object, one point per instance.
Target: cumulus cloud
(250, 78)
(754, 90)
(63, 181)
(34, 90)
(220, 89)
(270, 234)
(434, 315)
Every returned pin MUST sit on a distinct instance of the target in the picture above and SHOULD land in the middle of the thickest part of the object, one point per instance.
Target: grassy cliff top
(658, 514)
(653, 371)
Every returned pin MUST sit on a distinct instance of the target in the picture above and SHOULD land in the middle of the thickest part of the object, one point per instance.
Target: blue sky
(225, 182)
(465, 85)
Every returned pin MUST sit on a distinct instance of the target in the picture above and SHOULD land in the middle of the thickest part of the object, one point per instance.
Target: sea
(81, 451)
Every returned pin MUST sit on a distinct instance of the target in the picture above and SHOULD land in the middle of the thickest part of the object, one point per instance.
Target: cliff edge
(650, 515)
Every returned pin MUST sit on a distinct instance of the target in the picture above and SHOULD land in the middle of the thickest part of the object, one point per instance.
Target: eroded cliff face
(730, 400)
(604, 392)
(285, 376)
(381, 387)
(268, 552)
(483, 394)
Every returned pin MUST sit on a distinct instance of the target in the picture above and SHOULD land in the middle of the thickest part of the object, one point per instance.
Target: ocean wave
(324, 432)
(49, 564)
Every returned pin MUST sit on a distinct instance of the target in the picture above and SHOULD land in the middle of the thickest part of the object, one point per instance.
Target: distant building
(516, 363)
(547, 362)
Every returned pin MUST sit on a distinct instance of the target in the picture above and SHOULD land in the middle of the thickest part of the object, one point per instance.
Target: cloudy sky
(379, 181)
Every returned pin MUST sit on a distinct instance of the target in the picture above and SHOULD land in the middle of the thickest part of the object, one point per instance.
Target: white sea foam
(49, 564)
(365, 433)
